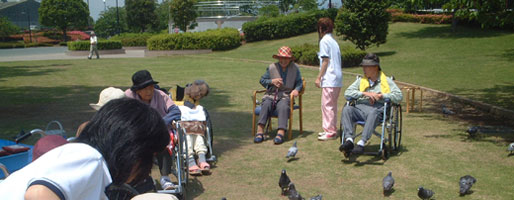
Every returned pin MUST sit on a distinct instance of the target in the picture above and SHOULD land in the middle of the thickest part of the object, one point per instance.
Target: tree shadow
(385, 53)
(508, 54)
(194, 188)
(445, 31)
(34, 70)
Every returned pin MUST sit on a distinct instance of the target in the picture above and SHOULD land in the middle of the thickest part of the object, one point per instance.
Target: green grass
(436, 151)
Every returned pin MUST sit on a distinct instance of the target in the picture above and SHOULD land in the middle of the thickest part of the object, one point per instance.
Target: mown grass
(436, 151)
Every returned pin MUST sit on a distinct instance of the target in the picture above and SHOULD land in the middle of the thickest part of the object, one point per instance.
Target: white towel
(188, 114)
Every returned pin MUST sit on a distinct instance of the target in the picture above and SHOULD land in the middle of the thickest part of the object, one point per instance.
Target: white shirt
(328, 48)
(76, 169)
(92, 39)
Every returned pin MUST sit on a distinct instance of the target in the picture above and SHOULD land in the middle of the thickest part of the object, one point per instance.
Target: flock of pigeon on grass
(474, 130)
(288, 188)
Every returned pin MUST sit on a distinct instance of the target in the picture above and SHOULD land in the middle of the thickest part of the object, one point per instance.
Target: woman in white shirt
(330, 78)
(116, 147)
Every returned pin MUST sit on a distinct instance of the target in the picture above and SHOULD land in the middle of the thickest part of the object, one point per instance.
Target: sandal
(195, 170)
(279, 139)
(205, 167)
(259, 137)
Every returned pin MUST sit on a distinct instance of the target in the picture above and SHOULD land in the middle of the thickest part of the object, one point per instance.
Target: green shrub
(9, 45)
(217, 39)
(133, 39)
(63, 44)
(307, 54)
(102, 45)
(38, 45)
(270, 28)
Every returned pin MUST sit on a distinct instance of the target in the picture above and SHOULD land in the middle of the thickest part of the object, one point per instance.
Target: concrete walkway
(57, 53)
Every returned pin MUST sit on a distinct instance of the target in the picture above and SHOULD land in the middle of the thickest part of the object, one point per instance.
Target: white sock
(349, 139)
(361, 143)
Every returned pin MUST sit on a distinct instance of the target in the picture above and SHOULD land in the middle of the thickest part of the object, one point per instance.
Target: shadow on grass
(389, 193)
(194, 188)
(445, 31)
(375, 158)
(36, 70)
(499, 95)
(508, 54)
(385, 53)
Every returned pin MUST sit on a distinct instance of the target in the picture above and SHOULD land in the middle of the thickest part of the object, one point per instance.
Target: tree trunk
(454, 21)
(64, 34)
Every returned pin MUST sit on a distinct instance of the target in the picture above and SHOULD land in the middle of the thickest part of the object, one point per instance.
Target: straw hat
(284, 52)
(106, 95)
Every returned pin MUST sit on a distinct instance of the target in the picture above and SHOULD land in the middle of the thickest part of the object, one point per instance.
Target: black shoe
(347, 146)
(358, 150)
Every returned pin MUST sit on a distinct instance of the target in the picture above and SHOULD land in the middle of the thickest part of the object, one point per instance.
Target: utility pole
(117, 18)
(105, 8)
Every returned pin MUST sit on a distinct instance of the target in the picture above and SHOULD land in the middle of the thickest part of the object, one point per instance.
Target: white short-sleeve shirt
(328, 48)
(77, 170)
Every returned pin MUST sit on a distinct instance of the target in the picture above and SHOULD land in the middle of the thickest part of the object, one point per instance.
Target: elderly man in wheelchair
(368, 93)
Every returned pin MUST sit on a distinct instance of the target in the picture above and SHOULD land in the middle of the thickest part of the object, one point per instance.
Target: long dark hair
(127, 133)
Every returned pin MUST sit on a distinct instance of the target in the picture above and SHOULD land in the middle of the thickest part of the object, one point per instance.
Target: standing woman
(330, 78)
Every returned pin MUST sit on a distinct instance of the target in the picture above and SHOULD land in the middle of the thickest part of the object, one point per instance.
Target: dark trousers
(164, 162)
(282, 108)
(361, 112)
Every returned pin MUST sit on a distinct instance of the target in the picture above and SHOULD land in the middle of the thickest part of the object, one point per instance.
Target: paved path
(56, 53)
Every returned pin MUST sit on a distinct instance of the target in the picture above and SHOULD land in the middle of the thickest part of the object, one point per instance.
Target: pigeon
(465, 184)
(388, 183)
(425, 193)
(291, 153)
(283, 182)
(511, 147)
(317, 197)
(447, 111)
(472, 131)
(223, 198)
(293, 194)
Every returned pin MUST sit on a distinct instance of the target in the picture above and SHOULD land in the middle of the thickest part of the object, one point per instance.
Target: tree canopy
(363, 22)
(63, 14)
(141, 15)
(7, 28)
(107, 24)
(183, 14)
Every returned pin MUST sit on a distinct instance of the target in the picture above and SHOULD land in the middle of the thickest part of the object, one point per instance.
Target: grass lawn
(436, 151)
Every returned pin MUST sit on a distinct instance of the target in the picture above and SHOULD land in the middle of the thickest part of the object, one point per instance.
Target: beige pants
(195, 144)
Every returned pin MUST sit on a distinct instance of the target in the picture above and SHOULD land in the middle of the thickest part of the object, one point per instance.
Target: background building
(21, 13)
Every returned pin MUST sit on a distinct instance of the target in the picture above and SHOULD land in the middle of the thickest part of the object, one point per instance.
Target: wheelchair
(391, 125)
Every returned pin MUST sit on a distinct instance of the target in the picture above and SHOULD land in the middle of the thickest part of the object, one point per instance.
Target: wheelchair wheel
(210, 136)
(397, 128)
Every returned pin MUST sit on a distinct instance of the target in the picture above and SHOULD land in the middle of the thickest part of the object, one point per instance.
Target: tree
(285, 5)
(63, 14)
(141, 15)
(183, 14)
(7, 28)
(307, 5)
(106, 25)
(363, 22)
(163, 13)
(487, 13)
(269, 11)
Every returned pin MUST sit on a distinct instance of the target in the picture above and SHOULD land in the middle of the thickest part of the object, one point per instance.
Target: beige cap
(106, 95)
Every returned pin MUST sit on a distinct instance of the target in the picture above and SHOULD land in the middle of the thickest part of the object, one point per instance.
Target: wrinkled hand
(294, 93)
(318, 82)
(277, 82)
(373, 97)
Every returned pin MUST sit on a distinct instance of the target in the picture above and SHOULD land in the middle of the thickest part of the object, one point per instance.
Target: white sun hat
(106, 95)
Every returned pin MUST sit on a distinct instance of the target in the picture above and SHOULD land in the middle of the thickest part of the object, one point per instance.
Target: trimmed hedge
(102, 45)
(307, 54)
(133, 39)
(285, 26)
(9, 45)
(399, 16)
(217, 39)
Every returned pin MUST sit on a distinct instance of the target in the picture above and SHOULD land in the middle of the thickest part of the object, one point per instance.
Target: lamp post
(28, 22)
(117, 18)
(105, 8)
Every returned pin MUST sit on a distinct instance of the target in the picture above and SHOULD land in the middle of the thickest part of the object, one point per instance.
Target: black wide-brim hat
(141, 79)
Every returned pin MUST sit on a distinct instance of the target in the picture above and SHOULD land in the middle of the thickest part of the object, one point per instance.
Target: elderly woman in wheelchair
(369, 94)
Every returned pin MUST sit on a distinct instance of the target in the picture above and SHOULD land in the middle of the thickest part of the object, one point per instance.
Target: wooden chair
(292, 107)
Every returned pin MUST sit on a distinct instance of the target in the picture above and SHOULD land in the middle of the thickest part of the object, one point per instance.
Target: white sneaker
(328, 136)
(322, 133)
(166, 184)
